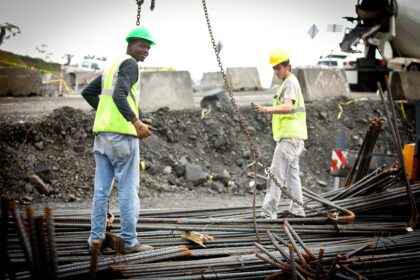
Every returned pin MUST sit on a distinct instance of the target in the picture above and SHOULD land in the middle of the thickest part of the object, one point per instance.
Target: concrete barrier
(172, 89)
(211, 80)
(319, 83)
(405, 85)
(17, 81)
(244, 78)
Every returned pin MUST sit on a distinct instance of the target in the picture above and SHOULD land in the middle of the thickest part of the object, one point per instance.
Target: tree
(43, 49)
(92, 56)
(68, 57)
(7, 30)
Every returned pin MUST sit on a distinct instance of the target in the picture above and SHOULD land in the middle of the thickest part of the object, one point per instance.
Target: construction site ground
(51, 137)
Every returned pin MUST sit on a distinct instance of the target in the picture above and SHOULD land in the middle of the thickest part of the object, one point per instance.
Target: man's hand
(141, 128)
(259, 108)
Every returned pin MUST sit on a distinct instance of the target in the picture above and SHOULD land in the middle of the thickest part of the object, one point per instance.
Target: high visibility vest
(293, 124)
(108, 118)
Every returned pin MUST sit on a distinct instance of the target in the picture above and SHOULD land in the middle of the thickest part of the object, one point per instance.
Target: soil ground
(52, 137)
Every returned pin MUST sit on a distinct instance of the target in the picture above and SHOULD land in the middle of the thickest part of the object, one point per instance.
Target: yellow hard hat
(279, 56)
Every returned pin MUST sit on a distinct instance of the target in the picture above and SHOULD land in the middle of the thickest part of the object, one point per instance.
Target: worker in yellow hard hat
(289, 131)
(115, 96)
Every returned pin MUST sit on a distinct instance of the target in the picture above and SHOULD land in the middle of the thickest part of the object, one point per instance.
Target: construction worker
(117, 128)
(289, 131)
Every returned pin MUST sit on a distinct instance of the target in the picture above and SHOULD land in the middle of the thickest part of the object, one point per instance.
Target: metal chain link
(139, 3)
(242, 120)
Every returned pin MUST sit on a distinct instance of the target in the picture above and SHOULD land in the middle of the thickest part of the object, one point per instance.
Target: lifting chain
(242, 121)
(139, 3)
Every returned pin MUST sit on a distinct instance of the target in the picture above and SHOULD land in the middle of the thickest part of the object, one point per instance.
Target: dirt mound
(51, 159)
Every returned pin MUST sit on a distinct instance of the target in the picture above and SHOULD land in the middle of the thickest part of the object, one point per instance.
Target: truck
(392, 29)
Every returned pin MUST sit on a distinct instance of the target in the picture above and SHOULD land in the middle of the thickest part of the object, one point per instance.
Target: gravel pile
(50, 158)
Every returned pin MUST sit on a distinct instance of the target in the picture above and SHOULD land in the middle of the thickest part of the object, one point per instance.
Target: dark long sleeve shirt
(127, 77)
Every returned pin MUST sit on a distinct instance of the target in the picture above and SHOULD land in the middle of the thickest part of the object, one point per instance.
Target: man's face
(281, 71)
(139, 49)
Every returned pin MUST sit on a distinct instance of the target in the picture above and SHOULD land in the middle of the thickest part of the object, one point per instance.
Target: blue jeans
(116, 156)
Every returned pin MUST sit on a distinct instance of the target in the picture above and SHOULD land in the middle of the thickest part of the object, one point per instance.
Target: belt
(291, 140)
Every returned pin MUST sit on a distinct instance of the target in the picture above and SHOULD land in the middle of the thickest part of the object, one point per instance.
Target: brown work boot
(114, 242)
(138, 248)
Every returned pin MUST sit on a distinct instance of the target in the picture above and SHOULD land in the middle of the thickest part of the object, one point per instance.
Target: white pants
(285, 168)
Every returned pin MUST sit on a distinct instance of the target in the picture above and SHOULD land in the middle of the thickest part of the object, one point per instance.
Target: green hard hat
(142, 33)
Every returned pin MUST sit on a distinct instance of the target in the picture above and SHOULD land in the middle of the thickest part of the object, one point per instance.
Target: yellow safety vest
(293, 124)
(108, 118)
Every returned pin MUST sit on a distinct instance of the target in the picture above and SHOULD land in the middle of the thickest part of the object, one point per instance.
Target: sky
(248, 29)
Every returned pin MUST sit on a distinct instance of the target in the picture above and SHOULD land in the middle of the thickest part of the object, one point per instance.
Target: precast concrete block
(211, 80)
(405, 85)
(172, 89)
(243, 78)
(319, 83)
(17, 81)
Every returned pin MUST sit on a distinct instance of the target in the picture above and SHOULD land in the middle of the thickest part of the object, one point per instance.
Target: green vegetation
(8, 59)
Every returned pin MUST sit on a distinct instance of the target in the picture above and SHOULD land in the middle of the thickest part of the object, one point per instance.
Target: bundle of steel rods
(41, 244)
(361, 165)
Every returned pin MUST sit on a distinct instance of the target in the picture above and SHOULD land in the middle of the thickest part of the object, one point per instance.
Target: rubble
(212, 144)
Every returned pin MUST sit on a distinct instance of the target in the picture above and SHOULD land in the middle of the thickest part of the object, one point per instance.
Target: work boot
(114, 242)
(138, 248)
(288, 214)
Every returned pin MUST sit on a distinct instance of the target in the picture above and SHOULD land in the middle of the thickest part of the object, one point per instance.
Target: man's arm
(92, 91)
(289, 98)
(127, 77)
(286, 107)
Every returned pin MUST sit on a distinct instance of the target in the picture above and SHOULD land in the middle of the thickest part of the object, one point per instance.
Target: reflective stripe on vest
(292, 124)
(108, 118)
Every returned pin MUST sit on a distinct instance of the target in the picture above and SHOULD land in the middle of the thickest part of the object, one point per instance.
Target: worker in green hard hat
(115, 96)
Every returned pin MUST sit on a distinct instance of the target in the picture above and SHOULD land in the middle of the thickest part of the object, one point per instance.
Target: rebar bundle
(317, 247)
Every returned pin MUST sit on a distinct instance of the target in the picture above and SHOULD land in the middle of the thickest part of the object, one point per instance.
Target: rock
(179, 166)
(152, 169)
(171, 137)
(246, 154)
(223, 177)
(217, 186)
(167, 170)
(40, 185)
(323, 115)
(179, 169)
(348, 122)
(249, 188)
(79, 148)
(216, 98)
(27, 198)
(42, 169)
(29, 188)
(251, 130)
(194, 174)
(232, 187)
(322, 183)
(39, 145)
(172, 180)
(30, 160)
